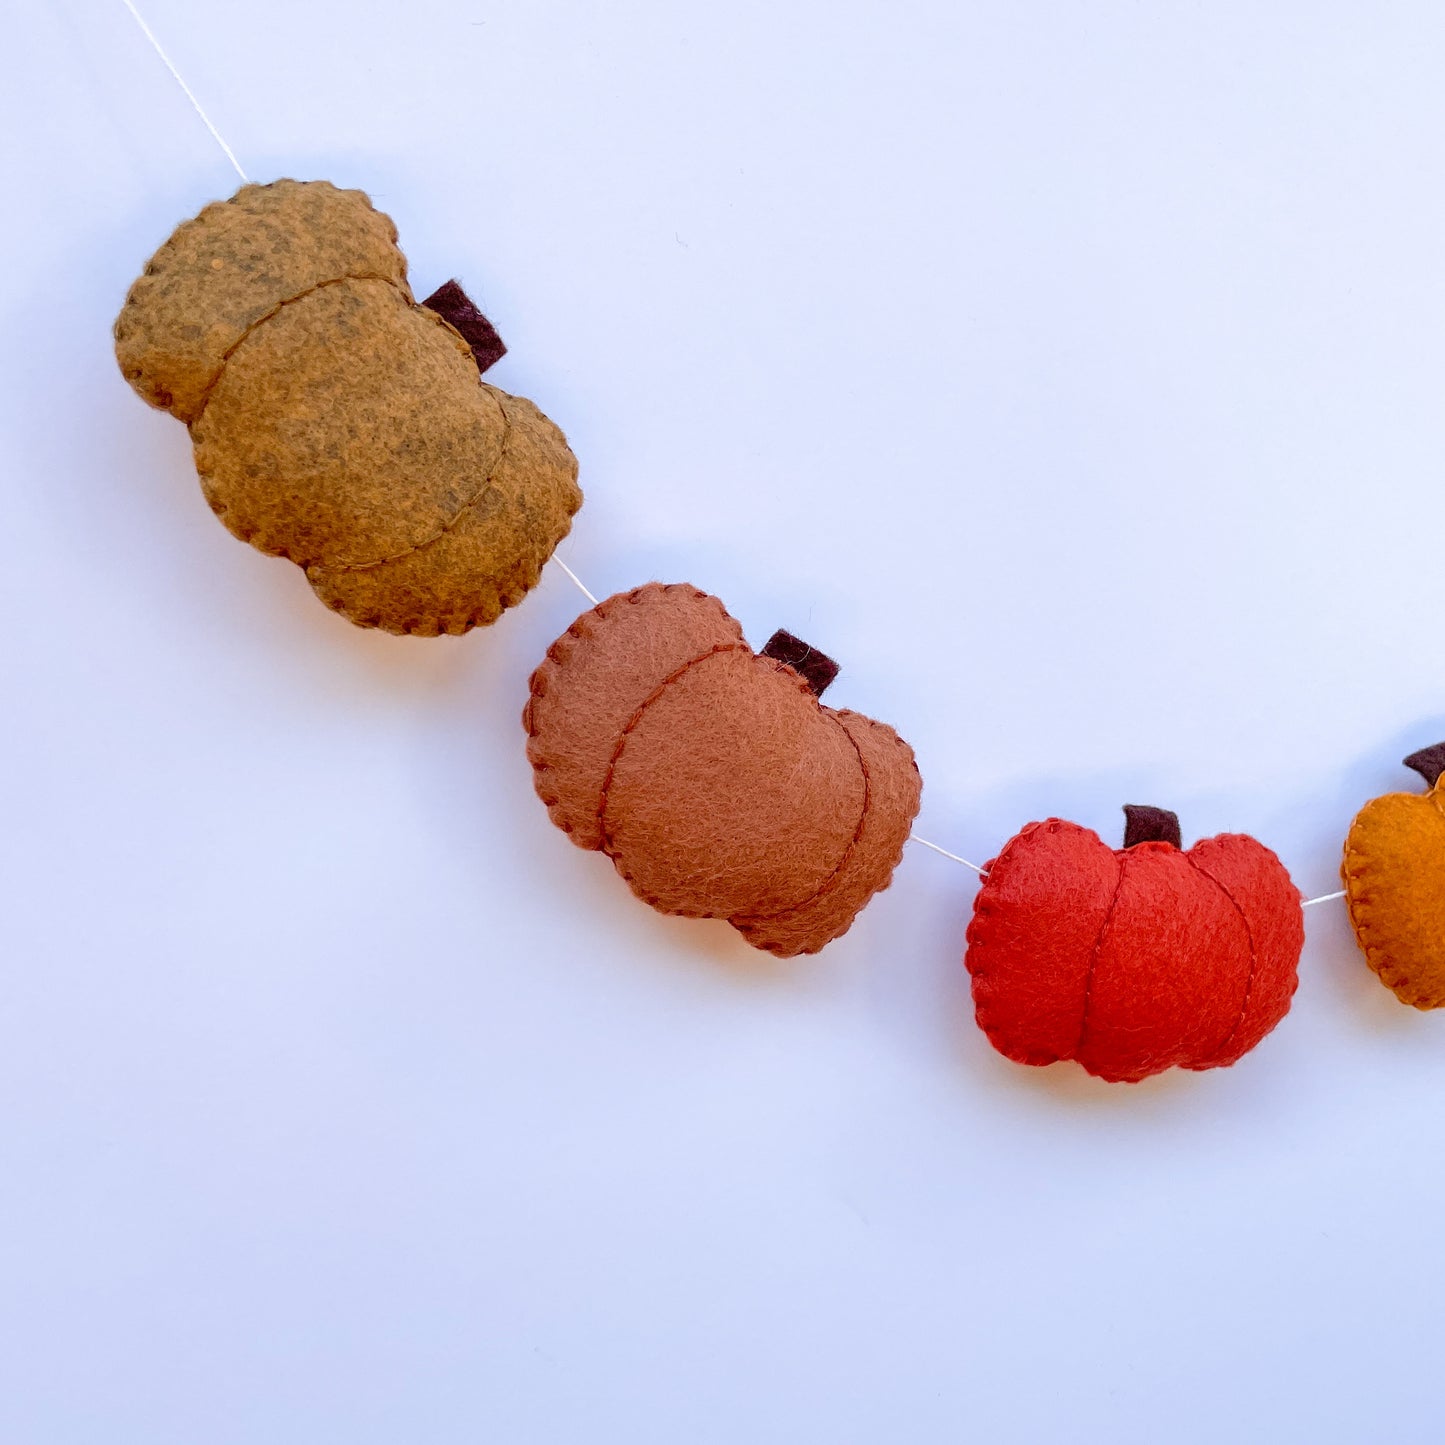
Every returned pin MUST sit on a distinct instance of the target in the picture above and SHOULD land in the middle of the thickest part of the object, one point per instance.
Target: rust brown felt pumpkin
(339, 424)
(1134, 960)
(713, 776)
(1394, 875)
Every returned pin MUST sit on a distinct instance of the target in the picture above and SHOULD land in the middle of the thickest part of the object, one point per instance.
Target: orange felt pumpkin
(1134, 960)
(1394, 873)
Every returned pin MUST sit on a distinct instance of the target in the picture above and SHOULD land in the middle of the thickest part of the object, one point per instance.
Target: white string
(190, 95)
(983, 873)
(914, 837)
(575, 579)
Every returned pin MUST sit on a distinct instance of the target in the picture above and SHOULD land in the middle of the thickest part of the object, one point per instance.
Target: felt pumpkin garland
(339, 424)
(713, 776)
(1394, 876)
(1135, 960)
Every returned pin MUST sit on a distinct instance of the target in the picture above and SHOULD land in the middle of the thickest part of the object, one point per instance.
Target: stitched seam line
(1253, 954)
(832, 879)
(1094, 960)
(1355, 872)
(452, 522)
(637, 717)
(551, 672)
(280, 306)
(455, 519)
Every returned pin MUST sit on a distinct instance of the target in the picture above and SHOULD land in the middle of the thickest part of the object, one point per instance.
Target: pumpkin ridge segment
(448, 524)
(457, 517)
(994, 960)
(1094, 956)
(275, 311)
(1223, 1047)
(632, 723)
(832, 879)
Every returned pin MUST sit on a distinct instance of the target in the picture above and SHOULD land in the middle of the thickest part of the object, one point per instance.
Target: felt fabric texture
(1429, 763)
(1150, 825)
(816, 669)
(338, 424)
(1132, 961)
(455, 307)
(711, 775)
(1394, 876)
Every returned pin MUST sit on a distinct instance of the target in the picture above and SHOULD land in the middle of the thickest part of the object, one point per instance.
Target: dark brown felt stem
(1150, 825)
(453, 304)
(816, 669)
(1429, 763)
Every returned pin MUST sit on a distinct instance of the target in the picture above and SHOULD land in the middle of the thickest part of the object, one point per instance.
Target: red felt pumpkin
(1134, 960)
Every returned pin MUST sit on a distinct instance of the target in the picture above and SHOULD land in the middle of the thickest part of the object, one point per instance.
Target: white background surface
(1073, 373)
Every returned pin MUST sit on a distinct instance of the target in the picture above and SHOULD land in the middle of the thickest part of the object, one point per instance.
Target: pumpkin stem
(817, 670)
(1429, 763)
(1153, 825)
(453, 304)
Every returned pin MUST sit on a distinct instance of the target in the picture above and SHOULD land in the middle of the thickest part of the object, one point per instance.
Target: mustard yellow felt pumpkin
(339, 424)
